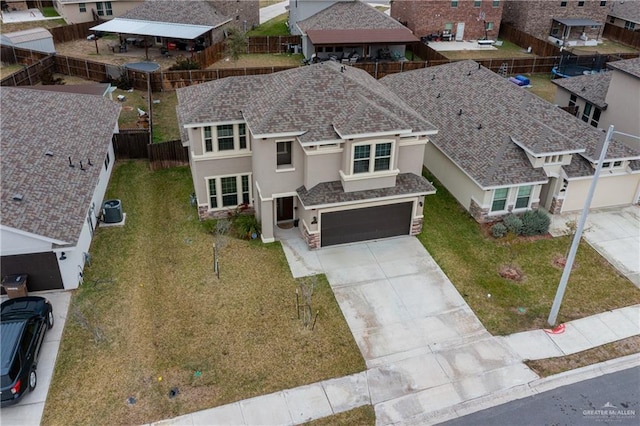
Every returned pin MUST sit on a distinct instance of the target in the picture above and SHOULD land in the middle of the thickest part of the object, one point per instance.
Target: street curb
(530, 389)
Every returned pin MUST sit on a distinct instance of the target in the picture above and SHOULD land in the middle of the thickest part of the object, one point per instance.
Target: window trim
(372, 157)
(528, 198)
(243, 192)
(284, 143)
(494, 199)
(82, 7)
(213, 139)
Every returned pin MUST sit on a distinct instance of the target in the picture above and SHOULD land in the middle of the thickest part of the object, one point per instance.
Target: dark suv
(23, 324)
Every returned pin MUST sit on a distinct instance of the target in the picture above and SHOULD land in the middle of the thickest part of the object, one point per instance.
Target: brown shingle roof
(56, 196)
(629, 10)
(629, 66)
(397, 35)
(350, 15)
(322, 101)
(592, 88)
(195, 12)
(333, 192)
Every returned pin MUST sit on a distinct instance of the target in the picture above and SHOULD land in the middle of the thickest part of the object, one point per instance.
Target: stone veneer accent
(416, 225)
(481, 215)
(313, 240)
(204, 213)
(556, 205)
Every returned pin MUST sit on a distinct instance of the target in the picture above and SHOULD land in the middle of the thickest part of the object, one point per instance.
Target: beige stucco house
(501, 149)
(325, 146)
(605, 99)
(75, 11)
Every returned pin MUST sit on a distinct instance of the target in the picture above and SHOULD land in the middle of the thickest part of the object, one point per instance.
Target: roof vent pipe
(70, 163)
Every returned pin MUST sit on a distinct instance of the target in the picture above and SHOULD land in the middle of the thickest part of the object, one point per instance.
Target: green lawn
(274, 27)
(472, 259)
(49, 12)
(151, 316)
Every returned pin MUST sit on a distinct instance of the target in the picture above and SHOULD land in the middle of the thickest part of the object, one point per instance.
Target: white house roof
(150, 28)
(26, 35)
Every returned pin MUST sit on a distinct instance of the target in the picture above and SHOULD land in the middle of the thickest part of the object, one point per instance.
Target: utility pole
(553, 316)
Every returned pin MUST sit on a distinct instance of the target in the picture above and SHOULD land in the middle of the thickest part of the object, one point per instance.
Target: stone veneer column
(416, 225)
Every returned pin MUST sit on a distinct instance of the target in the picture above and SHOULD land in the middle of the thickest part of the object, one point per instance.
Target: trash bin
(15, 285)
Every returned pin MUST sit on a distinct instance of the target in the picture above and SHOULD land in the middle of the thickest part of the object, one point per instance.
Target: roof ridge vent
(17, 197)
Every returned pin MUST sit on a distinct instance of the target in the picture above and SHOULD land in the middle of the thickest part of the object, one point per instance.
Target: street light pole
(578, 235)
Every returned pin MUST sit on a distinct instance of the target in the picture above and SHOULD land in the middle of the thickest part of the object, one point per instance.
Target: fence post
(86, 67)
(15, 58)
(190, 79)
(375, 73)
(401, 66)
(533, 69)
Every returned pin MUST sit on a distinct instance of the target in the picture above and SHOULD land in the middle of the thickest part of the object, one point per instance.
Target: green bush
(185, 64)
(246, 225)
(513, 223)
(209, 225)
(498, 230)
(535, 222)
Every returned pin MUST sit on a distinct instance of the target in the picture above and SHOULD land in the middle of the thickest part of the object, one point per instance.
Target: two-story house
(501, 149)
(625, 14)
(459, 19)
(326, 147)
(77, 11)
(606, 98)
(563, 22)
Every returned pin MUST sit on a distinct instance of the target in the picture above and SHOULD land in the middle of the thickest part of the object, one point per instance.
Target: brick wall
(535, 16)
(425, 17)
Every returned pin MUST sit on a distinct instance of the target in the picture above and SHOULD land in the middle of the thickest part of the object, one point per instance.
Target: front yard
(471, 259)
(152, 317)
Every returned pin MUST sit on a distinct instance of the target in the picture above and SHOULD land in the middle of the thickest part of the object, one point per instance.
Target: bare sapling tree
(223, 227)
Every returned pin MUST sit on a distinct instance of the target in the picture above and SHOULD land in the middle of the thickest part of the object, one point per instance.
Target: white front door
(460, 31)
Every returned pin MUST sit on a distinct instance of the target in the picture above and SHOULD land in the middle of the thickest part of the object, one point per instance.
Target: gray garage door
(365, 224)
(42, 269)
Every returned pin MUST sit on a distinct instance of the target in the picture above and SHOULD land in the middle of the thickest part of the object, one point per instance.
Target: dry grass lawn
(507, 50)
(152, 317)
(8, 69)
(361, 416)
(606, 47)
(550, 366)
(21, 26)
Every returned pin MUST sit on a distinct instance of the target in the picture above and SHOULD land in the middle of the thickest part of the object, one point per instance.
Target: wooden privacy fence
(524, 40)
(30, 75)
(273, 44)
(134, 143)
(72, 32)
(621, 35)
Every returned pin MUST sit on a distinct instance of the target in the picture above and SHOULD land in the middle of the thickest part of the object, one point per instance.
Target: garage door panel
(42, 269)
(365, 224)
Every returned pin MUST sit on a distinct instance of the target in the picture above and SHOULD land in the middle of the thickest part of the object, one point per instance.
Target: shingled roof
(629, 66)
(592, 88)
(628, 10)
(194, 12)
(56, 196)
(320, 102)
(354, 22)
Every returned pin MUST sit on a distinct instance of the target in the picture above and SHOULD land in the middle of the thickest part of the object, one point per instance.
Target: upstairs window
(82, 7)
(283, 153)
(104, 8)
(591, 114)
(225, 138)
(603, 3)
(477, 3)
(372, 158)
(496, 3)
(454, 3)
(580, 3)
(563, 4)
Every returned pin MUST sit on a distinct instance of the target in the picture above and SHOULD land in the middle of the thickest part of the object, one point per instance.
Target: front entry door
(285, 209)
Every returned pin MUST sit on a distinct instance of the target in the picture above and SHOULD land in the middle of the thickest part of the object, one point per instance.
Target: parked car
(24, 322)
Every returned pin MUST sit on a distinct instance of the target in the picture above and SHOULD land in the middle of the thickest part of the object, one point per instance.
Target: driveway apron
(424, 348)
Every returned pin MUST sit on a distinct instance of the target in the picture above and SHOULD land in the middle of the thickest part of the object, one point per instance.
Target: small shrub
(209, 225)
(535, 222)
(246, 225)
(513, 224)
(185, 64)
(498, 230)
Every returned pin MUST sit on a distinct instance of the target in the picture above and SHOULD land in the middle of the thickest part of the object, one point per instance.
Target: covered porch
(575, 32)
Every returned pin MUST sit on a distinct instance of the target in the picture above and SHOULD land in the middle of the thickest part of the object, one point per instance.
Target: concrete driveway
(612, 232)
(424, 348)
(30, 408)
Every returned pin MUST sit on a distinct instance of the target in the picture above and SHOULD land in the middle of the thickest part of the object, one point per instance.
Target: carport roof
(155, 29)
(577, 22)
(328, 193)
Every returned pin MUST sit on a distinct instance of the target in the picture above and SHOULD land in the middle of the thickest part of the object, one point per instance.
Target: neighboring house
(38, 39)
(57, 158)
(501, 149)
(606, 98)
(347, 29)
(183, 23)
(569, 22)
(75, 12)
(461, 19)
(325, 146)
(625, 14)
(14, 5)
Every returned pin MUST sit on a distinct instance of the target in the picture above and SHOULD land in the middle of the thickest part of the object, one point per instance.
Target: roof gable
(192, 12)
(350, 15)
(56, 196)
(592, 88)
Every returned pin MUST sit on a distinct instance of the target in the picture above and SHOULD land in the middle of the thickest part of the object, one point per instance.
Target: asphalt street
(611, 399)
